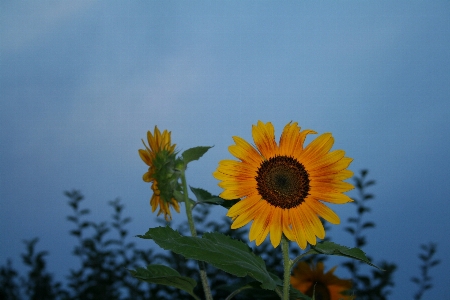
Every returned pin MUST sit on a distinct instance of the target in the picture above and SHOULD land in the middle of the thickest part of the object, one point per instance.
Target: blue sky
(81, 82)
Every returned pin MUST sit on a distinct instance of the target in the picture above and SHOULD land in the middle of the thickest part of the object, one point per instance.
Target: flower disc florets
(283, 181)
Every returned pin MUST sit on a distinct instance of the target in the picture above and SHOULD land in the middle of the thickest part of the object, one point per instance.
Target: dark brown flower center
(283, 181)
(320, 290)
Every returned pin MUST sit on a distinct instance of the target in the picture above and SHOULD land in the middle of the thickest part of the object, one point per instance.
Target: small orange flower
(325, 286)
(160, 148)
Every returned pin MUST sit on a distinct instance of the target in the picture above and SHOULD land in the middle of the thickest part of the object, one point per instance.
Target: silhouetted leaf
(349, 229)
(72, 219)
(368, 225)
(75, 232)
(435, 262)
(84, 211)
(363, 209)
(352, 220)
(368, 196)
(415, 279)
(369, 183)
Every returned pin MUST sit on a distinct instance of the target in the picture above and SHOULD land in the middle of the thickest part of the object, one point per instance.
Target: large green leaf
(194, 153)
(330, 248)
(164, 275)
(221, 251)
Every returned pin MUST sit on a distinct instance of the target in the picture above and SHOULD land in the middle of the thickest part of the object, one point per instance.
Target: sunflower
(158, 156)
(325, 286)
(283, 186)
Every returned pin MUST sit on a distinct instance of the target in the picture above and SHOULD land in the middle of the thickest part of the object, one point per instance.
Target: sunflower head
(283, 186)
(311, 279)
(160, 158)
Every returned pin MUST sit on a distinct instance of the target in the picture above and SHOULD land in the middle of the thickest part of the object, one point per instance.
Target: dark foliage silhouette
(106, 254)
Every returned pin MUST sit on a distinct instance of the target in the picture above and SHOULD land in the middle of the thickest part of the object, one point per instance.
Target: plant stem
(287, 267)
(230, 296)
(294, 262)
(201, 264)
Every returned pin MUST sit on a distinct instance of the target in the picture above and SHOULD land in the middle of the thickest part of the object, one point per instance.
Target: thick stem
(201, 264)
(287, 267)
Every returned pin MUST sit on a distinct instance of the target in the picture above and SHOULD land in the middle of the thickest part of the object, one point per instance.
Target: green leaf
(204, 196)
(164, 275)
(221, 251)
(330, 248)
(194, 153)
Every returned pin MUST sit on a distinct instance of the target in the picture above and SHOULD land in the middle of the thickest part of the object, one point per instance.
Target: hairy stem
(201, 264)
(287, 267)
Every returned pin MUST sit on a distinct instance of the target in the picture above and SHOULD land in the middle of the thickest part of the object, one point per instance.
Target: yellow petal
(341, 175)
(318, 187)
(154, 202)
(242, 206)
(235, 191)
(175, 205)
(245, 217)
(244, 151)
(260, 228)
(291, 140)
(297, 229)
(323, 211)
(335, 168)
(264, 138)
(306, 224)
(331, 197)
(145, 157)
(236, 170)
(276, 228)
(318, 147)
(319, 231)
(287, 231)
(326, 160)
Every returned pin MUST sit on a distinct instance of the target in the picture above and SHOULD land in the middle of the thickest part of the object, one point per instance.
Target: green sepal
(180, 197)
(216, 249)
(204, 196)
(330, 248)
(194, 153)
(164, 275)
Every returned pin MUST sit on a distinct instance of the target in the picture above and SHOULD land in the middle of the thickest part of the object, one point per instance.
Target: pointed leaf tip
(330, 248)
(164, 275)
(194, 153)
